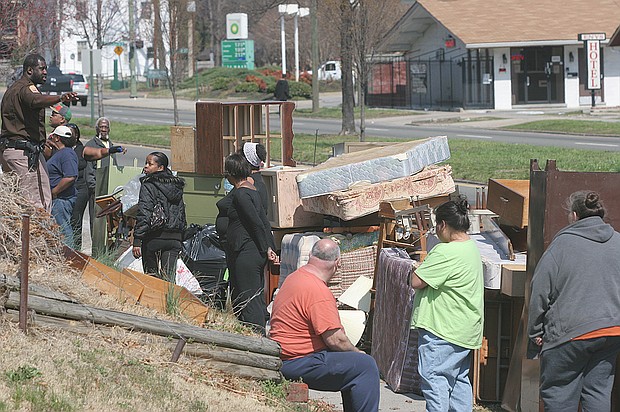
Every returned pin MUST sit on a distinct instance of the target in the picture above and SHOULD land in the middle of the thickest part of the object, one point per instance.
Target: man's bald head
(326, 250)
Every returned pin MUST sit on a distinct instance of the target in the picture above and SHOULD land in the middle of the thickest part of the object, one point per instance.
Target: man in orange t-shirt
(315, 348)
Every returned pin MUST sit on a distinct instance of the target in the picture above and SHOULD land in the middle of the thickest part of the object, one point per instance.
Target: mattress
(394, 343)
(364, 199)
(372, 165)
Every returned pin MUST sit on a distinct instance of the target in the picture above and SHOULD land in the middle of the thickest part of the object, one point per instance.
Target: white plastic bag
(186, 279)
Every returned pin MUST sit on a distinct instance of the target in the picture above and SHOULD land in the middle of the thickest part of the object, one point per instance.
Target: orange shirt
(599, 333)
(303, 310)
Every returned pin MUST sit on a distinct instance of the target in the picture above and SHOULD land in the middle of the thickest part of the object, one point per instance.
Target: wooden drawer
(284, 209)
(510, 200)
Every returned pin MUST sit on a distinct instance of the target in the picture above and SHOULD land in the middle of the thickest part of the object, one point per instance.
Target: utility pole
(133, 91)
(314, 21)
(191, 9)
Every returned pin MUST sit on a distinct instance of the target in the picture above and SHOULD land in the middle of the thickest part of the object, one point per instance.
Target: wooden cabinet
(222, 127)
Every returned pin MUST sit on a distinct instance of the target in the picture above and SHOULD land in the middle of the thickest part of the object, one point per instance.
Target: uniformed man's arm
(37, 100)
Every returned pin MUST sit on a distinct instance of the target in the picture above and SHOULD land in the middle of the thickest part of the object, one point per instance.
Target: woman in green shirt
(448, 311)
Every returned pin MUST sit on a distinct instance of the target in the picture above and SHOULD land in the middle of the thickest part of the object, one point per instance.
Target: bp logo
(234, 28)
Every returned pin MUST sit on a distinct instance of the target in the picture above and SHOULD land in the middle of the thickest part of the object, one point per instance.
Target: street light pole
(301, 12)
(133, 91)
(283, 41)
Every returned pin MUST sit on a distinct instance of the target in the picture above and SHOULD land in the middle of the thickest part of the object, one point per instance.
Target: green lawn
(470, 159)
(591, 127)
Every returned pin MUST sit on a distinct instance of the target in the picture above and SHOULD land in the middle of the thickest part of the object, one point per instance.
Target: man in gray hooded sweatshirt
(575, 310)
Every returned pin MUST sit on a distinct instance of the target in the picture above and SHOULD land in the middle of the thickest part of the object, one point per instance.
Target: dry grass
(103, 369)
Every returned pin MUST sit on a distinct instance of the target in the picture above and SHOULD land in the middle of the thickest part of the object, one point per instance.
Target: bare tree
(96, 21)
(367, 33)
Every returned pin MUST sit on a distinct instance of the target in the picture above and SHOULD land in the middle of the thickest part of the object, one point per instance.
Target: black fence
(435, 84)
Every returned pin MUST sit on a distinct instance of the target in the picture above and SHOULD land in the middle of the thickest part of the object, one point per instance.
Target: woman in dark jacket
(159, 246)
(250, 244)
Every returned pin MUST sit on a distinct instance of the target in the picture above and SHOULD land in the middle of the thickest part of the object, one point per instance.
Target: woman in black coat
(159, 246)
(250, 244)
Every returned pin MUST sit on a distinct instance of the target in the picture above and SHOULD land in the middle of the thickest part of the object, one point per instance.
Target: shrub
(299, 89)
(221, 83)
(246, 88)
(262, 85)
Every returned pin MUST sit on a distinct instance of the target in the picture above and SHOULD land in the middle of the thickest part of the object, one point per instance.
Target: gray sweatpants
(580, 370)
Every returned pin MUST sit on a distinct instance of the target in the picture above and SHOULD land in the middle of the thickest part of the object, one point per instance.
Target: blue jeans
(62, 209)
(579, 370)
(354, 374)
(444, 370)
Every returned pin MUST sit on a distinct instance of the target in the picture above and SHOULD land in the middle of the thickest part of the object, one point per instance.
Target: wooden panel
(155, 291)
(285, 209)
(510, 200)
(111, 282)
(350, 147)
(183, 148)
(209, 151)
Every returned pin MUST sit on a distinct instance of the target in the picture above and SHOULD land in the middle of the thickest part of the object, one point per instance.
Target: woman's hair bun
(591, 200)
(463, 206)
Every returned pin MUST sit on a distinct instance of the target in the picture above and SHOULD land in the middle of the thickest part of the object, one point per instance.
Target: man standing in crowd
(23, 131)
(63, 171)
(315, 348)
(100, 141)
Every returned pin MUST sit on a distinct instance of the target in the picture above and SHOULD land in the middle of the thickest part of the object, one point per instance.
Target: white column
(283, 37)
(296, 47)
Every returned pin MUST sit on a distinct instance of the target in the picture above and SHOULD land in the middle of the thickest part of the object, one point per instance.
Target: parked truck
(57, 82)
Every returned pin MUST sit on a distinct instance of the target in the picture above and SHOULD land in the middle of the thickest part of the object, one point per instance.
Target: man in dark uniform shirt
(23, 131)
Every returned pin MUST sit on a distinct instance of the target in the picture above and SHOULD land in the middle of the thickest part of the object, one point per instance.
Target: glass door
(537, 74)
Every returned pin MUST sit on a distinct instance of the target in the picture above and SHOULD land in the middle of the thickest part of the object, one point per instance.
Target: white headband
(249, 151)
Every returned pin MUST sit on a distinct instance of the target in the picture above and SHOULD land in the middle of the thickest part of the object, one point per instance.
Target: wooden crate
(510, 200)
(284, 209)
(183, 148)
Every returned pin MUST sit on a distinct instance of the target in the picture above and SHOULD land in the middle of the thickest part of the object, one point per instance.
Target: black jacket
(165, 188)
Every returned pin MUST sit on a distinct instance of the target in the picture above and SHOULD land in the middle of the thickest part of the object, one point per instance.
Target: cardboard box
(513, 280)
(510, 200)
(284, 209)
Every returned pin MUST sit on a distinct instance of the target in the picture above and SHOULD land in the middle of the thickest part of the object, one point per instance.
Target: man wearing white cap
(63, 171)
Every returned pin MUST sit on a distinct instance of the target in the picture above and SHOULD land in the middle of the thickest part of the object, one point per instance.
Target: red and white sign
(593, 61)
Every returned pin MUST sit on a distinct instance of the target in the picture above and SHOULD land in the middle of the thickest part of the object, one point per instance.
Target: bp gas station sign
(238, 54)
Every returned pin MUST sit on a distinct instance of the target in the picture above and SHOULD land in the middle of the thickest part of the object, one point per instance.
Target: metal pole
(133, 91)
(23, 274)
(91, 89)
(283, 37)
(593, 98)
(190, 45)
(296, 18)
(315, 55)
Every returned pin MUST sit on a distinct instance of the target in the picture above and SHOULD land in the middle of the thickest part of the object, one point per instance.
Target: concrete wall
(502, 84)
(612, 76)
(571, 84)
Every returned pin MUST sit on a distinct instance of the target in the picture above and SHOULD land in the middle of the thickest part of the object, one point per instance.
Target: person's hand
(538, 340)
(117, 149)
(136, 251)
(69, 97)
(272, 256)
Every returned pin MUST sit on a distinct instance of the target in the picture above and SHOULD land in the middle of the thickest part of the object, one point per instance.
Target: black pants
(247, 281)
(83, 195)
(159, 257)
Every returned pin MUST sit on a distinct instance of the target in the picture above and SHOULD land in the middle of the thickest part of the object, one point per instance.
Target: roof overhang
(409, 29)
(614, 41)
(526, 44)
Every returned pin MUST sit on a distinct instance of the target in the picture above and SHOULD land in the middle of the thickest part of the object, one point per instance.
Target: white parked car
(80, 86)
(330, 71)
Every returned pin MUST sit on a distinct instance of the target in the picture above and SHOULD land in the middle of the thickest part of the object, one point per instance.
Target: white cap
(63, 131)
